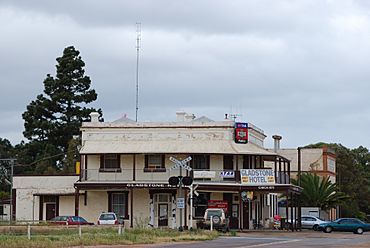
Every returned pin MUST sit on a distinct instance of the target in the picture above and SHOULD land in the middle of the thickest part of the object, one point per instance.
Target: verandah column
(77, 201)
(173, 208)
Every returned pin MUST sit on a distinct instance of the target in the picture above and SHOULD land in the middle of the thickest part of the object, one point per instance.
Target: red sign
(241, 132)
(218, 204)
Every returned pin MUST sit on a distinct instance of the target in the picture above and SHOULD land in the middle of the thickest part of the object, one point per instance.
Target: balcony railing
(139, 175)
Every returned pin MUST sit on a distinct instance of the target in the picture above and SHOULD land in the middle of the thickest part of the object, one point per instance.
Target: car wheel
(328, 229)
(359, 230)
(315, 227)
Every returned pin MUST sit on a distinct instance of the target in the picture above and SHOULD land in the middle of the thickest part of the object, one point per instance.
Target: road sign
(180, 163)
(180, 202)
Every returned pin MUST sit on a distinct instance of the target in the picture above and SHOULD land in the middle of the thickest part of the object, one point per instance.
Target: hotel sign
(241, 132)
(257, 176)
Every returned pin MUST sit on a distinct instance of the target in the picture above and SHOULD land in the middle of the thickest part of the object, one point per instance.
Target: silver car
(311, 222)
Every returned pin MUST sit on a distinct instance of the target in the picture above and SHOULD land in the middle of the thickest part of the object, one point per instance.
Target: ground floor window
(118, 203)
(200, 204)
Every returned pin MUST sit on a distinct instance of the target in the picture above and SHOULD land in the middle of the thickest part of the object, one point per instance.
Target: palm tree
(319, 192)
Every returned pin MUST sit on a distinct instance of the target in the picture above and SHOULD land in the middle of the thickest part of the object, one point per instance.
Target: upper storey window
(110, 162)
(155, 163)
(200, 162)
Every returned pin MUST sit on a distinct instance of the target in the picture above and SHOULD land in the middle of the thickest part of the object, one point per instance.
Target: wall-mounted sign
(247, 196)
(227, 174)
(241, 132)
(257, 176)
(204, 174)
(149, 185)
(218, 204)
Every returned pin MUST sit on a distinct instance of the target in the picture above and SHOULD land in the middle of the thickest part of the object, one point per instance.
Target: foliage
(54, 118)
(319, 192)
(353, 178)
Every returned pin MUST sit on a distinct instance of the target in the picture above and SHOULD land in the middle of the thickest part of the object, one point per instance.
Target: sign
(247, 196)
(257, 176)
(227, 174)
(218, 204)
(180, 203)
(241, 132)
(149, 185)
(204, 174)
(182, 163)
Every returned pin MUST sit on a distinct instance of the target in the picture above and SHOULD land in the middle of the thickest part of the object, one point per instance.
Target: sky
(295, 68)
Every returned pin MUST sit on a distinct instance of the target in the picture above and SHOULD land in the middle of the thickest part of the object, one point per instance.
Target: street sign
(180, 163)
(181, 203)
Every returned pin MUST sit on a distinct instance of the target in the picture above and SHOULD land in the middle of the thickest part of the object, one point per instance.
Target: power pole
(9, 180)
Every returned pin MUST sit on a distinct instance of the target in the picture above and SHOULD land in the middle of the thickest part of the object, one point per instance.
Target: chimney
(180, 116)
(94, 116)
(277, 139)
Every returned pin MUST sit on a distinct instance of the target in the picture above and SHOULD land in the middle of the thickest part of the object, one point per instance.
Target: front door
(162, 214)
(50, 211)
(245, 212)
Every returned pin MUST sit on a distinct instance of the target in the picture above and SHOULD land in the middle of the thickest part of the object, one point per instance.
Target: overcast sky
(295, 68)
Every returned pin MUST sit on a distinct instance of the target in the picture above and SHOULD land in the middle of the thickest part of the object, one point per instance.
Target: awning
(171, 147)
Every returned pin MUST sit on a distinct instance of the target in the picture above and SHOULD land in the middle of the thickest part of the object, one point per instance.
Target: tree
(55, 116)
(353, 178)
(319, 192)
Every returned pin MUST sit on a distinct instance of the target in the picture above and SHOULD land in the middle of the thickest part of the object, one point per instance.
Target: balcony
(139, 175)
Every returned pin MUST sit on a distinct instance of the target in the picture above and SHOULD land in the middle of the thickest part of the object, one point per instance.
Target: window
(118, 203)
(2, 210)
(154, 163)
(110, 163)
(200, 204)
(200, 162)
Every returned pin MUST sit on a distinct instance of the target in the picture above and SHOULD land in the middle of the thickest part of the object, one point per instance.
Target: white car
(310, 222)
(108, 218)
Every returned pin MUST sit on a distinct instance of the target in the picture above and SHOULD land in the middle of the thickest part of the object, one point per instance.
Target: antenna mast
(138, 38)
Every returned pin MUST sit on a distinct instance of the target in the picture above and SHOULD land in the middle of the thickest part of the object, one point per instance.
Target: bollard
(211, 224)
(79, 231)
(29, 231)
(119, 229)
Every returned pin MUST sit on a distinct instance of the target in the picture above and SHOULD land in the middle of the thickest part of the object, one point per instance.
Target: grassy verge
(62, 237)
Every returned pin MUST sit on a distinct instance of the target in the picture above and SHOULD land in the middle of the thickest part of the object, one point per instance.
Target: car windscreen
(107, 217)
(213, 213)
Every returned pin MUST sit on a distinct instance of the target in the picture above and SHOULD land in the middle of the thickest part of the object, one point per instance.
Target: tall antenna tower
(138, 38)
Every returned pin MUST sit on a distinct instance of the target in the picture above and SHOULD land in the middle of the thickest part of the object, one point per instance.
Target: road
(303, 239)
(279, 239)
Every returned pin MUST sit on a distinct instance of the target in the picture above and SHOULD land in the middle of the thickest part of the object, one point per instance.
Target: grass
(46, 237)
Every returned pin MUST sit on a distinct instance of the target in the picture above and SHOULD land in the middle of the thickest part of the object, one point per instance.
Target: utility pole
(9, 180)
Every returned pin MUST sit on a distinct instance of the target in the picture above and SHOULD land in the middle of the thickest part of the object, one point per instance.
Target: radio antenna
(138, 38)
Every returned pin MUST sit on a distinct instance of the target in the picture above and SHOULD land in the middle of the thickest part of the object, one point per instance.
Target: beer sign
(241, 132)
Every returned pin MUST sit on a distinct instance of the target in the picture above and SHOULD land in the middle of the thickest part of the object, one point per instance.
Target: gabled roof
(124, 119)
(202, 119)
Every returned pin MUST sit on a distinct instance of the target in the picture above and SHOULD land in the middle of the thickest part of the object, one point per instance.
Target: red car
(69, 220)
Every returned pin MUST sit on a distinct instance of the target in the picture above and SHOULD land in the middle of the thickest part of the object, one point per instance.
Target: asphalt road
(282, 240)
(278, 239)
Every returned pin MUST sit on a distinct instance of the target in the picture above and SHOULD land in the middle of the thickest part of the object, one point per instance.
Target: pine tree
(55, 116)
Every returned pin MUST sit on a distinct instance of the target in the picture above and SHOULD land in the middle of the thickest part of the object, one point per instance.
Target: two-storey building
(125, 167)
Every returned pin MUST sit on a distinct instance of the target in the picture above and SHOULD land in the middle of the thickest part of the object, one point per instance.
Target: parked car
(69, 220)
(217, 216)
(109, 218)
(310, 222)
(345, 225)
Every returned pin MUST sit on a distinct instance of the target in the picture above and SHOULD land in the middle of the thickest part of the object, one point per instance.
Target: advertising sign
(241, 132)
(204, 174)
(257, 176)
(227, 174)
(218, 204)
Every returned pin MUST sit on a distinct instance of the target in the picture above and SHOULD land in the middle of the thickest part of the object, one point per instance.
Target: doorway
(162, 214)
(50, 211)
(246, 217)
